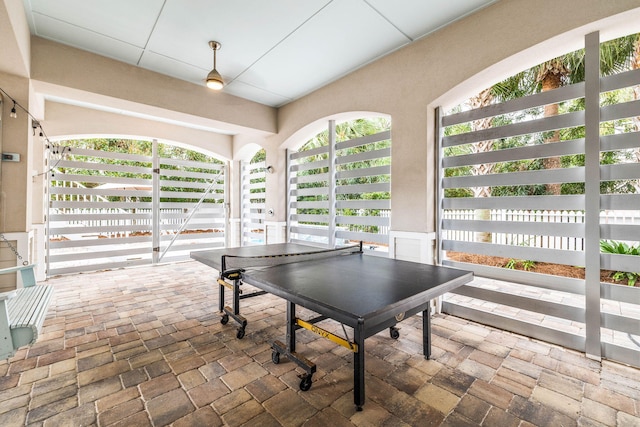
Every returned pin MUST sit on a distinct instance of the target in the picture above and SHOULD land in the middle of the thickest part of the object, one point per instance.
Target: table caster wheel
(394, 332)
(240, 333)
(224, 319)
(305, 384)
(275, 357)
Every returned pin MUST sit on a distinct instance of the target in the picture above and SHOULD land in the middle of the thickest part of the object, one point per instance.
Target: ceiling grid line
(153, 28)
(282, 40)
(390, 22)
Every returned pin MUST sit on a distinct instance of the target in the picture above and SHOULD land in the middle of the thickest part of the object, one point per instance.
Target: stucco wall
(15, 178)
(72, 121)
(64, 71)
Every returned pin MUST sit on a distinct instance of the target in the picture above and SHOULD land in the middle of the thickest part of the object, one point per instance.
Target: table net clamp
(231, 278)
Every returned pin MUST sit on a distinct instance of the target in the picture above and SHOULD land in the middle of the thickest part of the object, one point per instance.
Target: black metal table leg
(426, 333)
(236, 297)
(289, 349)
(221, 297)
(358, 367)
(291, 327)
(234, 311)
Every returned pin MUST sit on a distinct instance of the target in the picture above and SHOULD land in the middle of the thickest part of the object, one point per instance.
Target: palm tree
(569, 69)
(483, 99)
(509, 88)
(550, 75)
(344, 131)
(615, 56)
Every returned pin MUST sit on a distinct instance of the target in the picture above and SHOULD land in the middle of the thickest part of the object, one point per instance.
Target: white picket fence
(113, 227)
(539, 241)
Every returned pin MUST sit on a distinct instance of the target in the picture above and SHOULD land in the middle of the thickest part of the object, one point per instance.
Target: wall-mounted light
(214, 79)
(54, 148)
(36, 125)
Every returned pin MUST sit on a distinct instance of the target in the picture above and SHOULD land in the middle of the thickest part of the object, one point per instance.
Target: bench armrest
(7, 295)
(27, 273)
(16, 268)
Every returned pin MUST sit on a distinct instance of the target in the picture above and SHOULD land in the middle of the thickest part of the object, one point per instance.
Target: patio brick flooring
(145, 347)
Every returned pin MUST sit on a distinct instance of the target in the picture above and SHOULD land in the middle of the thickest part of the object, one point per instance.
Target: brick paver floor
(145, 347)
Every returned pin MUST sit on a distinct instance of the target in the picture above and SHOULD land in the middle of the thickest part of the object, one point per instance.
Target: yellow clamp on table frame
(326, 334)
(224, 283)
(234, 275)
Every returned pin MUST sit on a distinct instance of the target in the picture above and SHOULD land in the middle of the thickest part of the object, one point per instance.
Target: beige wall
(14, 37)
(407, 85)
(66, 121)
(15, 178)
(68, 72)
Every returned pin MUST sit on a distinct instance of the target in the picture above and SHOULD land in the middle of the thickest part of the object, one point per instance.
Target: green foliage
(615, 57)
(140, 148)
(622, 275)
(345, 132)
(621, 248)
(527, 265)
(511, 264)
(260, 156)
(361, 127)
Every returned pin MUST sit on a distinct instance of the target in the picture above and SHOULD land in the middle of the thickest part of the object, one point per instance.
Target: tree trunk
(483, 99)
(552, 80)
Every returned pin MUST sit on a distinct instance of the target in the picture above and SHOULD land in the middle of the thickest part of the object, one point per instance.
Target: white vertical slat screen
(349, 202)
(102, 210)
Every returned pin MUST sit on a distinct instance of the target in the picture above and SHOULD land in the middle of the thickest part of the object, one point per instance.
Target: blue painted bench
(22, 312)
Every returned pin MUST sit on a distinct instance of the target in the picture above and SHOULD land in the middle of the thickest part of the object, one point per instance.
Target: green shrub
(621, 248)
(527, 265)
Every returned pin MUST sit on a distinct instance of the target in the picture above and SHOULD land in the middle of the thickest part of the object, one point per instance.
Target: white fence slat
(252, 209)
(117, 213)
(573, 243)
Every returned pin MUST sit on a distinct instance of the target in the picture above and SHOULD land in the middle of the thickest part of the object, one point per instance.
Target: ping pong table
(363, 292)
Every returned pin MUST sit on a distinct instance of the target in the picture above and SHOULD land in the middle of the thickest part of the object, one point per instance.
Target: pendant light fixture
(214, 79)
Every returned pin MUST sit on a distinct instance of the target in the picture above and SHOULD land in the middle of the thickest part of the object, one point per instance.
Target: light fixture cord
(54, 147)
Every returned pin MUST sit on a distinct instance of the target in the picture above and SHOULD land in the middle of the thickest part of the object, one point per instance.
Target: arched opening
(117, 202)
(340, 187)
(539, 195)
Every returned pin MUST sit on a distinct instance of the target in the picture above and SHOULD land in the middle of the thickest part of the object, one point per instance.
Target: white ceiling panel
(352, 34)
(419, 17)
(246, 32)
(125, 20)
(86, 39)
(172, 67)
(273, 51)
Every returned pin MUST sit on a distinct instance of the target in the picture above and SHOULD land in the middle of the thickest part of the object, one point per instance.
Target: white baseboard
(412, 246)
